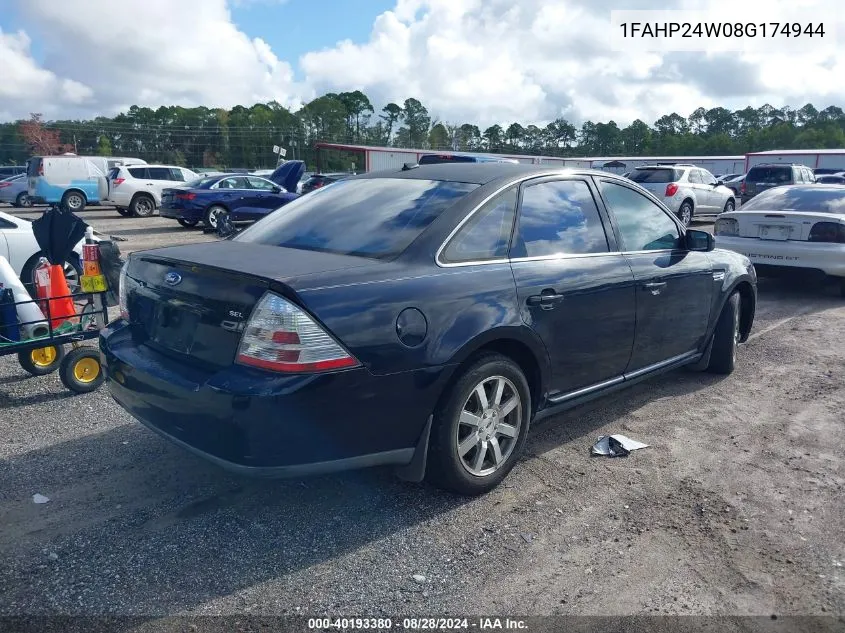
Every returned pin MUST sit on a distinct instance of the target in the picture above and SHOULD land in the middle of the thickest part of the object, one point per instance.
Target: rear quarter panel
(464, 308)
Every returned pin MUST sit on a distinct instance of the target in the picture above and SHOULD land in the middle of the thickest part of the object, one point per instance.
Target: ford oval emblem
(172, 278)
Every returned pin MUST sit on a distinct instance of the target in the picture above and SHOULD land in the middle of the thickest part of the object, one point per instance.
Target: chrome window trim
(517, 183)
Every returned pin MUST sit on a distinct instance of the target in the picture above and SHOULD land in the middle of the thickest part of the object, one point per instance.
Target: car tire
(188, 224)
(23, 201)
(685, 212)
(726, 337)
(730, 205)
(73, 201)
(123, 211)
(212, 214)
(73, 271)
(465, 434)
(142, 206)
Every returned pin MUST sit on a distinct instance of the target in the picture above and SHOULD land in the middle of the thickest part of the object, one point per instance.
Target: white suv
(686, 189)
(136, 189)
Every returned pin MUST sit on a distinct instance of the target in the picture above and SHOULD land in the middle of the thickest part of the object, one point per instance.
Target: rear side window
(813, 199)
(694, 177)
(176, 174)
(371, 217)
(558, 217)
(158, 173)
(138, 172)
(775, 174)
(655, 175)
(487, 234)
(643, 225)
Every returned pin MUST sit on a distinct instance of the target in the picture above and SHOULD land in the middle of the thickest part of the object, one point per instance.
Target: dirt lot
(736, 508)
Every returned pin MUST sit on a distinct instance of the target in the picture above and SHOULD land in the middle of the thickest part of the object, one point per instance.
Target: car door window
(558, 217)
(138, 172)
(260, 183)
(487, 234)
(707, 178)
(176, 174)
(643, 225)
(158, 173)
(694, 177)
(233, 183)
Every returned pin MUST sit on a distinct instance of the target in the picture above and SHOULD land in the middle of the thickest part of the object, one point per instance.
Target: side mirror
(699, 241)
(277, 189)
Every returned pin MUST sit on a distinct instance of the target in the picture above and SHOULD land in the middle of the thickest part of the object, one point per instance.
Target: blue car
(420, 318)
(241, 197)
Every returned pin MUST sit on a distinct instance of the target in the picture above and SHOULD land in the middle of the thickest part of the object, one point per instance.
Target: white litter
(616, 446)
(38, 498)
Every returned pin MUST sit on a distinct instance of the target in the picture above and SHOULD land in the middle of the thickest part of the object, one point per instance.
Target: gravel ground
(736, 508)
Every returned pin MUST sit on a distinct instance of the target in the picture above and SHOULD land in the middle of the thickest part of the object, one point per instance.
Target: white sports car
(19, 247)
(795, 226)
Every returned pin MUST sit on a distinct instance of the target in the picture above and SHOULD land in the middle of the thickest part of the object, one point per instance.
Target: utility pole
(75, 151)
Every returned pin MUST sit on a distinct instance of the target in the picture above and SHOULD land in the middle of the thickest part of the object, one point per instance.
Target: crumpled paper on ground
(616, 446)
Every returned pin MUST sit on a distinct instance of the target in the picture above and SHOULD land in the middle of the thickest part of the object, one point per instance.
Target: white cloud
(483, 61)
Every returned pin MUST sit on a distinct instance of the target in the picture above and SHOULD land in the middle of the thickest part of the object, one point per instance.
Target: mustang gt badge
(172, 278)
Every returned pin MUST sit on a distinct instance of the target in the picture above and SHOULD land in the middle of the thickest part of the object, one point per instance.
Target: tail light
(671, 189)
(742, 187)
(118, 181)
(726, 226)
(279, 336)
(827, 232)
(3, 185)
(185, 196)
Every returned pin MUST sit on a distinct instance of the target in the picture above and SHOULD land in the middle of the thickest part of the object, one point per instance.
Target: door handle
(546, 299)
(654, 287)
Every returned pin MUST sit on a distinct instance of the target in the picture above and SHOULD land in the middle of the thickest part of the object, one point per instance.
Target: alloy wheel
(489, 426)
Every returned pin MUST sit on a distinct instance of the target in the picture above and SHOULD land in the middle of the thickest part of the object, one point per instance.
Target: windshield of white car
(807, 199)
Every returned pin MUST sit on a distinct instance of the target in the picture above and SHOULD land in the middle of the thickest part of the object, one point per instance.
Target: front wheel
(726, 337)
(480, 430)
(188, 224)
(214, 214)
(730, 205)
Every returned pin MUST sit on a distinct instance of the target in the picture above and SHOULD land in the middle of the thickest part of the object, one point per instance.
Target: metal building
(813, 158)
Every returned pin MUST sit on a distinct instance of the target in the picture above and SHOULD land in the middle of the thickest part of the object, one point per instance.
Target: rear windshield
(374, 217)
(815, 198)
(769, 174)
(434, 159)
(655, 175)
(204, 182)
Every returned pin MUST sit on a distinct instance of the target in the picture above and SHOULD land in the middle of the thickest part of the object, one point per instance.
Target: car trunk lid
(779, 225)
(194, 301)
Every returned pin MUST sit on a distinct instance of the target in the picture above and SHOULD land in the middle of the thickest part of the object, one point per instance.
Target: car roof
(478, 173)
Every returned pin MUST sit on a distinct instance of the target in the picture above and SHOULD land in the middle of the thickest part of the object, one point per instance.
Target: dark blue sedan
(241, 197)
(420, 319)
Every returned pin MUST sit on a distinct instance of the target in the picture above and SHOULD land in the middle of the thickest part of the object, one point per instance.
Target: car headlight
(726, 226)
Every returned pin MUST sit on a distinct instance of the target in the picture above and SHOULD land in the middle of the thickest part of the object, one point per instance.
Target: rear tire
(123, 211)
(73, 201)
(730, 205)
(726, 337)
(213, 214)
(142, 206)
(473, 447)
(685, 213)
(23, 201)
(188, 224)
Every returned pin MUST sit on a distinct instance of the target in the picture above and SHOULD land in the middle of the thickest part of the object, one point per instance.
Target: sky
(479, 61)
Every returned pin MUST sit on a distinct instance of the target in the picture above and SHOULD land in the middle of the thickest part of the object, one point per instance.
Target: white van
(72, 180)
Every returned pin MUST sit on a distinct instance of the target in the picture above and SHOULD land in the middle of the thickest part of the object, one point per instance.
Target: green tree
(438, 137)
(392, 114)
(493, 138)
(417, 119)
(104, 146)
